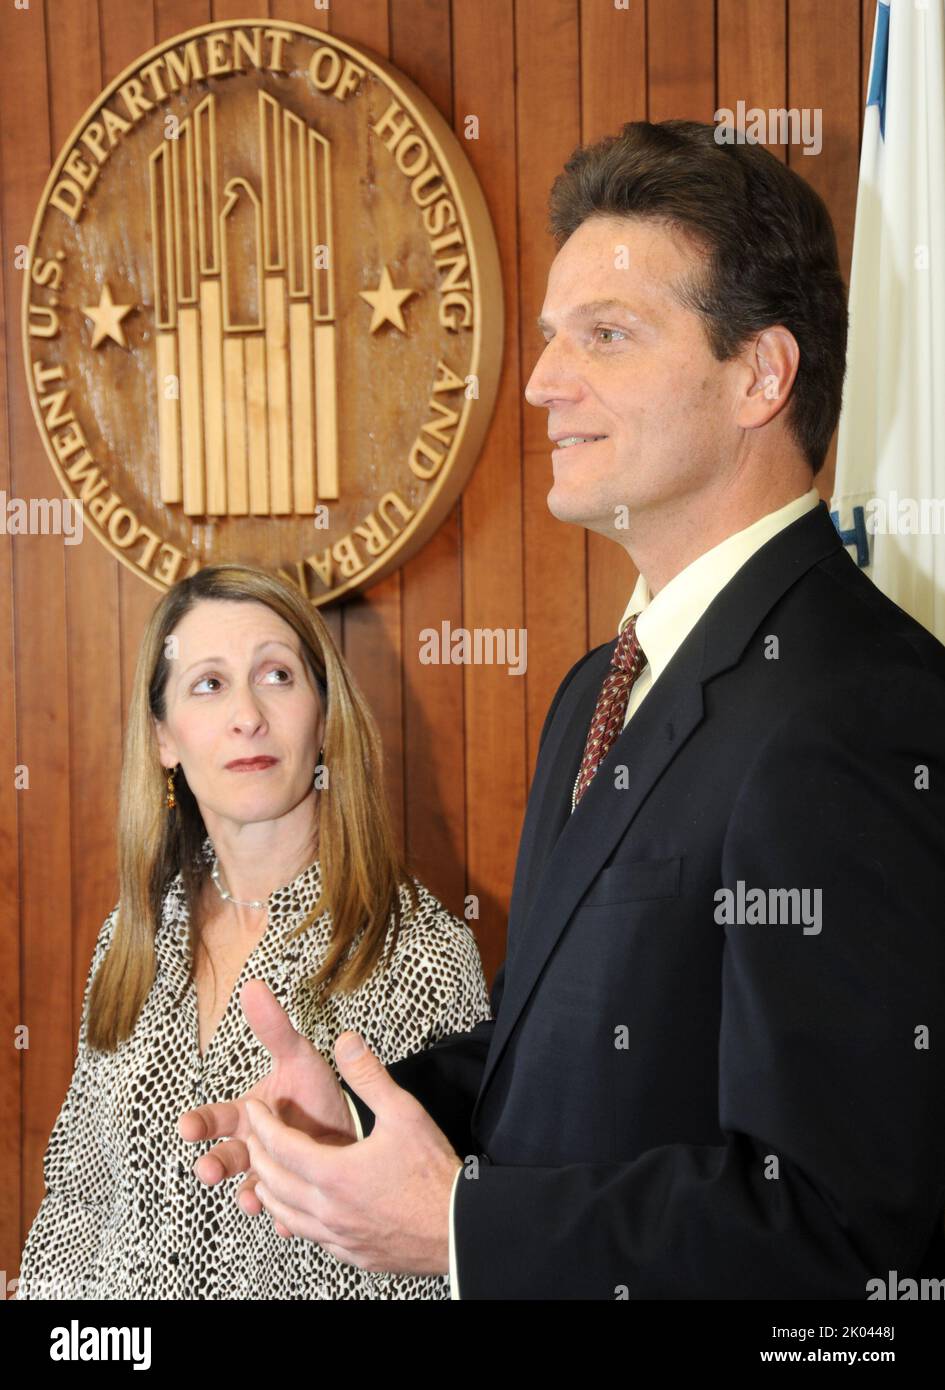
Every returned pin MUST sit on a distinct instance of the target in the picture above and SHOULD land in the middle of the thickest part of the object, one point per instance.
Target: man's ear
(773, 359)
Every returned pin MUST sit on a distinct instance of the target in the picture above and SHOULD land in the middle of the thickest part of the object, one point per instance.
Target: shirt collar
(664, 621)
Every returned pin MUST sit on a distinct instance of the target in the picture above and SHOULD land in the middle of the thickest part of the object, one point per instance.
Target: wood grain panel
(92, 599)
(434, 749)
(10, 1065)
(484, 77)
(752, 56)
(40, 636)
(548, 101)
(680, 48)
(372, 622)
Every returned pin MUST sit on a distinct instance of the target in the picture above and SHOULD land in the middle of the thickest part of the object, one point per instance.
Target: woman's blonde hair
(361, 867)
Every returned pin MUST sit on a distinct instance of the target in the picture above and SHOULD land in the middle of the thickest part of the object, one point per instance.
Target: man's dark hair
(772, 249)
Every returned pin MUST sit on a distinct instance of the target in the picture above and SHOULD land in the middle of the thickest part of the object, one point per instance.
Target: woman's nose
(246, 713)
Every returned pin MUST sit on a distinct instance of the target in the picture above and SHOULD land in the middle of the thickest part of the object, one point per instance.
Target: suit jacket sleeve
(445, 1078)
(831, 1089)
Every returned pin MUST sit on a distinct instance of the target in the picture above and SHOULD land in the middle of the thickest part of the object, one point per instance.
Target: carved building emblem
(263, 315)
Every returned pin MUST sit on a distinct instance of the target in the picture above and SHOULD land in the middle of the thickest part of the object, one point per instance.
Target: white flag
(889, 494)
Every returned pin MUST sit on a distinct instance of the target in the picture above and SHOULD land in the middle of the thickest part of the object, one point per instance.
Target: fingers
(217, 1121)
(289, 1221)
(223, 1161)
(248, 1202)
(246, 1198)
(367, 1076)
(287, 1159)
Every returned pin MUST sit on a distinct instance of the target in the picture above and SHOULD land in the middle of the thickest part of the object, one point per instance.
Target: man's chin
(580, 513)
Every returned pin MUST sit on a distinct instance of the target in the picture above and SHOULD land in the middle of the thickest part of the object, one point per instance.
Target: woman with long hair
(254, 842)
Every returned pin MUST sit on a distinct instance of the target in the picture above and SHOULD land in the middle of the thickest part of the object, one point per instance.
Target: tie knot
(629, 656)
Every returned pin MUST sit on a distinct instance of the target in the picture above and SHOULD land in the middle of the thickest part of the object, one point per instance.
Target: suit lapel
(562, 853)
(549, 802)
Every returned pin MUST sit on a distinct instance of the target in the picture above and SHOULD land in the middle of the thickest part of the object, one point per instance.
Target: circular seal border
(488, 334)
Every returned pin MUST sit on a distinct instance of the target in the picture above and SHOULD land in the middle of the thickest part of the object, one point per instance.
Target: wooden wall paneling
(244, 9)
(484, 60)
(818, 31)
(10, 1010)
(372, 622)
(434, 749)
(680, 49)
(91, 594)
(40, 635)
(613, 91)
(752, 56)
(548, 102)
(299, 12)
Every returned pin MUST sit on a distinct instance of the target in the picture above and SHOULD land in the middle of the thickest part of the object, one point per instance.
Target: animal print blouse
(124, 1216)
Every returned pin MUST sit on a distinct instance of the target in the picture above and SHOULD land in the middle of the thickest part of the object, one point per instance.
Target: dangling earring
(171, 802)
(319, 765)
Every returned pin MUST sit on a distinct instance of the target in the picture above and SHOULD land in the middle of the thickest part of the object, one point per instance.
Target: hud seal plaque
(262, 319)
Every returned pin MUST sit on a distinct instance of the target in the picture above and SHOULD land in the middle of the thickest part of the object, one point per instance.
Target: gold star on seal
(386, 302)
(107, 317)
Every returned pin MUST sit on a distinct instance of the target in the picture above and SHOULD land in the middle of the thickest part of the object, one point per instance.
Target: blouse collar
(286, 904)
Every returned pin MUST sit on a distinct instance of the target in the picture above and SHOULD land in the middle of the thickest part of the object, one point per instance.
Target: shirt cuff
(454, 1273)
(356, 1117)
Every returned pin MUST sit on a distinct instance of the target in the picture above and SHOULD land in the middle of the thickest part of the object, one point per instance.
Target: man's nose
(552, 379)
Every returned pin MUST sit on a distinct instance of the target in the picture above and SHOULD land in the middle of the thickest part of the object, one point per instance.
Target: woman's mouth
(251, 764)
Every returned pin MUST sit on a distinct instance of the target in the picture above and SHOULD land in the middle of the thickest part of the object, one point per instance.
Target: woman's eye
(203, 679)
(280, 671)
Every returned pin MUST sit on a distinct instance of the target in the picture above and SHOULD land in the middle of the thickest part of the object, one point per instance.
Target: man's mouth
(571, 441)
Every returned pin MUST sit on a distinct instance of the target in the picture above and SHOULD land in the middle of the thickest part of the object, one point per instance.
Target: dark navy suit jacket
(669, 1105)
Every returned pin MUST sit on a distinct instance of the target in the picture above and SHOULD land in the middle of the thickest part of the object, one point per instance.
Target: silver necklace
(226, 896)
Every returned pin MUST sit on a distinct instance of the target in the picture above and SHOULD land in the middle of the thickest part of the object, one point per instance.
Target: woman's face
(239, 689)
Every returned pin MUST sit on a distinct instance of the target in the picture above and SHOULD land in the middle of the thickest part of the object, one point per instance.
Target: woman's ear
(166, 746)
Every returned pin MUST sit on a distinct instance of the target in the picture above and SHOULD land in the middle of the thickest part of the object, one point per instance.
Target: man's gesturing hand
(382, 1204)
(301, 1088)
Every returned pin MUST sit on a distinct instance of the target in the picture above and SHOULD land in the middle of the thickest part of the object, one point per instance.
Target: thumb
(364, 1073)
(268, 1019)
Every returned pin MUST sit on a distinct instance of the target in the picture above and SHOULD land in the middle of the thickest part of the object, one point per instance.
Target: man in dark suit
(714, 1069)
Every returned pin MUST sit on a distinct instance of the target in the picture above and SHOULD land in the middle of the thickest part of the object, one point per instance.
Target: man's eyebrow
(584, 311)
(269, 642)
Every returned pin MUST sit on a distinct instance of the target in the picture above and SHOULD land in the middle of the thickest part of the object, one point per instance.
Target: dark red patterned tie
(626, 664)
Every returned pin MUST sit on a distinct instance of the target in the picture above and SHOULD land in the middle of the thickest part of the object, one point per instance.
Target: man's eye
(600, 329)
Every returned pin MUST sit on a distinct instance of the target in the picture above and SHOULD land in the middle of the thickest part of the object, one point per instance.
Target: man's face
(623, 360)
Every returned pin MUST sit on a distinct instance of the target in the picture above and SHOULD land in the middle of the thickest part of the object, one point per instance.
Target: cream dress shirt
(664, 623)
